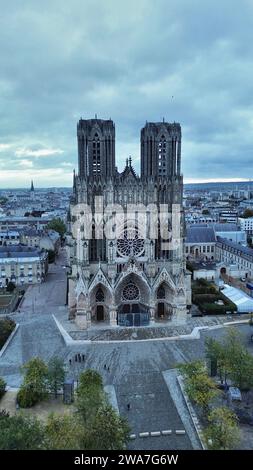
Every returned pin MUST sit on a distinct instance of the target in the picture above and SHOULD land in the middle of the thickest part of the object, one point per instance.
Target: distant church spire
(32, 186)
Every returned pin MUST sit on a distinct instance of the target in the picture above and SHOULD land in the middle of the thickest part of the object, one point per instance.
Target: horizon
(185, 183)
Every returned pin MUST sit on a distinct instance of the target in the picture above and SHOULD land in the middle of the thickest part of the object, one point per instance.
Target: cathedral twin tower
(128, 279)
(160, 149)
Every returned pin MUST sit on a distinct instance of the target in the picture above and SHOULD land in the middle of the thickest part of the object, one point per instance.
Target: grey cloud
(126, 60)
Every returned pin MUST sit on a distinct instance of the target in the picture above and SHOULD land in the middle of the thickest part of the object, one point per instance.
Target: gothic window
(96, 168)
(130, 292)
(130, 243)
(161, 293)
(100, 297)
(162, 147)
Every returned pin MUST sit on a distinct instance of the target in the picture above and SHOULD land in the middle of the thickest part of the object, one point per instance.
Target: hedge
(7, 326)
(215, 309)
(207, 304)
(2, 387)
(205, 298)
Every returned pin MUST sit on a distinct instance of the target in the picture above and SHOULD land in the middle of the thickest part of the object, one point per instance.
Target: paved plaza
(136, 368)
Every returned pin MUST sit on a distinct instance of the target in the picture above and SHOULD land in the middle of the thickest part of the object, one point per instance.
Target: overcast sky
(136, 60)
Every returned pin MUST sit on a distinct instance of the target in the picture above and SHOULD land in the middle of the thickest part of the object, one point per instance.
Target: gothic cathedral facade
(126, 249)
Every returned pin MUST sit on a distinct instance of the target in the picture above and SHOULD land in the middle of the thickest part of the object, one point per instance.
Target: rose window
(130, 243)
(130, 292)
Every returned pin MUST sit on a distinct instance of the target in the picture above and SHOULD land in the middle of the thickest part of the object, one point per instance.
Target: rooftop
(200, 234)
(243, 249)
(18, 251)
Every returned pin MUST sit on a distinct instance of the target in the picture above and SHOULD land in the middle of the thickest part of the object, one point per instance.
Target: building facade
(247, 225)
(200, 243)
(235, 260)
(22, 265)
(126, 253)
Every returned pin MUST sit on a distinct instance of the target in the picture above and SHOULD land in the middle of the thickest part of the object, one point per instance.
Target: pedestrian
(79, 357)
(105, 366)
(70, 362)
(108, 368)
(83, 357)
(128, 406)
(76, 357)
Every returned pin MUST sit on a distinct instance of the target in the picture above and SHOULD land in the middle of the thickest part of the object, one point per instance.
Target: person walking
(128, 406)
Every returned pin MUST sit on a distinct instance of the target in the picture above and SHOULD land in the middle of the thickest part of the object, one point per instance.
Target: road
(51, 293)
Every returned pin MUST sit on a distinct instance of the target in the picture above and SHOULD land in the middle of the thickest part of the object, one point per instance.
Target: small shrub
(27, 397)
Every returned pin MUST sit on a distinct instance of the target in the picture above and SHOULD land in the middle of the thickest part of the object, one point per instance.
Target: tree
(198, 385)
(103, 428)
(240, 362)
(233, 359)
(222, 433)
(51, 256)
(58, 225)
(90, 394)
(3, 200)
(242, 369)
(10, 287)
(55, 375)
(20, 432)
(34, 387)
(2, 387)
(64, 432)
(249, 241)
(6, 327)
(88, 378)
(217, 353)
(247, 213)
(109, 431)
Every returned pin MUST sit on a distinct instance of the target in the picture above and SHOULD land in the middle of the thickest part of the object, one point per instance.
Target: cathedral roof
(129, 172)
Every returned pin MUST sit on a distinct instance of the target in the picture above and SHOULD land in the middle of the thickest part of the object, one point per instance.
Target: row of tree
(93, 424)
(221, 431)
(231, 360)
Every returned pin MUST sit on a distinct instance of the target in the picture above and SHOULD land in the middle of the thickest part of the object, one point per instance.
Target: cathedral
(126, 248)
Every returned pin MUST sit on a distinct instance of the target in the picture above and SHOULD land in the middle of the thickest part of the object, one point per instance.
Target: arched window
(161, 293)
(100, 296)
(96, 168)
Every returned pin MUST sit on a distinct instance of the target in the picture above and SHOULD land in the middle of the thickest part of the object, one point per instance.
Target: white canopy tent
(243, 302)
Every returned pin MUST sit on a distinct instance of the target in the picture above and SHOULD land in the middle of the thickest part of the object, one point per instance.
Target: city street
(42, 298)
